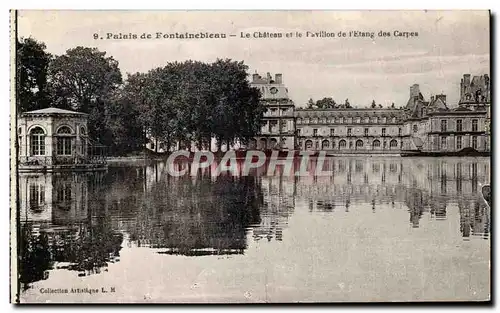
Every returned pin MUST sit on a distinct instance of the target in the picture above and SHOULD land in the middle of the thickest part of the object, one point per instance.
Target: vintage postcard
(250, 156)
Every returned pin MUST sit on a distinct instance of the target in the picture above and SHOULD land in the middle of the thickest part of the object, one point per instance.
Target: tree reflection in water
(198, 217)
(35, 258)
(59, 231)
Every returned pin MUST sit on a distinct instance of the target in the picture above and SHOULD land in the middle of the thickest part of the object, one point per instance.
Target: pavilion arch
(309, 144)
(273, 143)
(36, 126)
(263, 143)
(376, 144)
(342, 144)
(325, 145)
(393, 144)
(64, 130)
(359, 144)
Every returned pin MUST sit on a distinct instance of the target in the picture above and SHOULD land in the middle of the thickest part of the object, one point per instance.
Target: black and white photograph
(252, 157)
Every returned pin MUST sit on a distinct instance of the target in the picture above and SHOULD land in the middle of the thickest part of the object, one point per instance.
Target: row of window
(458, 140)
(348, 120)
(349, 132)
(63, 144)
(459, 127)
(325, 144)
(37, 194)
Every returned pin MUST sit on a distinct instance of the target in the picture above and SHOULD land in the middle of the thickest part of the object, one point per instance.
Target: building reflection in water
(76, 221)
(59, 230)
(421, 185)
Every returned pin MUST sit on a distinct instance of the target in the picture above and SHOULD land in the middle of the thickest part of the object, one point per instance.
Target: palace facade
(421, 127)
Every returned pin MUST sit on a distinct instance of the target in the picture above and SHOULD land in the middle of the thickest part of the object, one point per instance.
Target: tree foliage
(33, 62)
(179, 103)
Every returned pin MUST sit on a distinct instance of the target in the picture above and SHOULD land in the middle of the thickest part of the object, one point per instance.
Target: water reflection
(61, 228)
(79, 221)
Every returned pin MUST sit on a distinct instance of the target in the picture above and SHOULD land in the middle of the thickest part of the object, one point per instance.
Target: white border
(206, 5)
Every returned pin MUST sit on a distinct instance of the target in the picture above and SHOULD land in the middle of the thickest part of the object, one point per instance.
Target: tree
(310, 103)
(393, 106)
(347, 104)
(236, 108)
(33, 63)
(380, 106)
(326, 103)
(374, 105)
(84, 79)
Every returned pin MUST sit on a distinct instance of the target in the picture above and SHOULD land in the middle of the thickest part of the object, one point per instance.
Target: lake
(376, 229)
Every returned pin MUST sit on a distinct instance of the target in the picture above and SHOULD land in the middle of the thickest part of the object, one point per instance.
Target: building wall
(350, 130)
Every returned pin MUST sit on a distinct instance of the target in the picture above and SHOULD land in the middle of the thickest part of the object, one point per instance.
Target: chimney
(467, 79)
(414, 91)
(442, 97)
(432, 99)
(255, 77)
(269, 77)
(278, 78)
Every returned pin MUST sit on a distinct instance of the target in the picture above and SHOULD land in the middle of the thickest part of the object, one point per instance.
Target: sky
(449, 44)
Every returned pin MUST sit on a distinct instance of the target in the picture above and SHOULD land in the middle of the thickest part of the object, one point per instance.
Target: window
(474, 125)
(474, 142)
(273, 126)
(298, 132)
(299, 121)
(64, 193)
(332, 132)
(393, 143)
(36, 195)
(459, 125)
(37, 141)
(376, 143)
(341, 120)
(400, 132)
(367, 120)
(349, 130)
(342, 144)
(358, 120)
(315, 132)
(444, 125)
(415, 128)
(366, 131)
(325, 145)
(359, 144)
(64, 145)
(443, 142)
(383, 131)
(459, 142)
